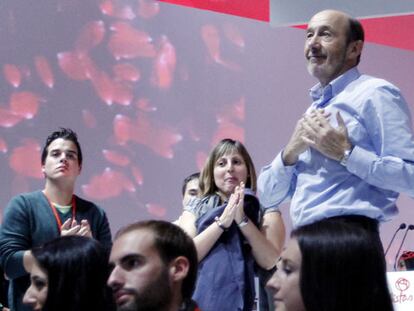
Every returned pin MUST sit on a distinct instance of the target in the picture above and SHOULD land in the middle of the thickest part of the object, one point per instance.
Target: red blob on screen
(90, 36)
(144, 104)
(89, 118)
(234, 112)
(228, 129)
(116, 157)
(123, 93)
(76, 66)
(107, 7)
(148, 8)
(123, 129)
(137, 173)
(107, 185)
(125, 12)
(111, 91)
(128, 43)
(234, 35)
(126, 72)
(3, 145)
(44, 71)
(24, 104)
(25, 159)
(8, 118)
(156, 209)
(12, 74)
(117, 9)
(211, 38)
(164, 65)
(157, 137)
(129, 185)
(103, 86)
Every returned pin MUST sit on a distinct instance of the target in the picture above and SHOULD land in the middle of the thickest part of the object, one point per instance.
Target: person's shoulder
(83, 204)
(24, 203)
(26, 196)
(371, 82)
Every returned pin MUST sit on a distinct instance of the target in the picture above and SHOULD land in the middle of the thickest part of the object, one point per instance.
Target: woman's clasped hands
(234, 209)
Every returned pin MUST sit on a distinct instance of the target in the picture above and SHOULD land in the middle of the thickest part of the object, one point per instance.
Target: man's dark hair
(188, 179)
(355, 33)
(171, 242)
(66, 134)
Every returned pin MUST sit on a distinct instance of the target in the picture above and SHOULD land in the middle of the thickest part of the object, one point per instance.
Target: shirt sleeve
(390, 165)
(15, 237)
(276, 184)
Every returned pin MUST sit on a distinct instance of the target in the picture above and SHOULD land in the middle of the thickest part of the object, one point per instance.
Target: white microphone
(410, 227)
(402, 226)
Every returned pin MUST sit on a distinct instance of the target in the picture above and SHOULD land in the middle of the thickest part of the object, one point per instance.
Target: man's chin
(316, 71)
(313, 69)
(127, 306)
(126, 303)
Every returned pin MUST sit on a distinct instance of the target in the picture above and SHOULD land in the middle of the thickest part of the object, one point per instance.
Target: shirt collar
(321, 95)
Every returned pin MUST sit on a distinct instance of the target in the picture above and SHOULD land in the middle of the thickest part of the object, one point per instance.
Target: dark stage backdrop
(150, 87)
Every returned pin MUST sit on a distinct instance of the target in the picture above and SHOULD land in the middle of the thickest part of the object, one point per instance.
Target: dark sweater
(29, 222)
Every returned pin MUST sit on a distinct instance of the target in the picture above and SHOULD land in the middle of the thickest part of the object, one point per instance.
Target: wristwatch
(218, 222)
(345, 157)
(244, 222)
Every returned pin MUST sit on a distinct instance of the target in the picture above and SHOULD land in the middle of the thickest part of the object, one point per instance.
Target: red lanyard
(55, 212)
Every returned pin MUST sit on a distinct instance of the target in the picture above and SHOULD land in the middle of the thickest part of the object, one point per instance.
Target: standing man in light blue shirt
(352, 152)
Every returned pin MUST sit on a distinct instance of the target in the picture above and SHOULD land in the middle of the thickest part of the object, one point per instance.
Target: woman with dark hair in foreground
(331, 265)
(69, 273)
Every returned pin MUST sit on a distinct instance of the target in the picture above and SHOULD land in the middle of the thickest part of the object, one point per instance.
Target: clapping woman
(231, 231)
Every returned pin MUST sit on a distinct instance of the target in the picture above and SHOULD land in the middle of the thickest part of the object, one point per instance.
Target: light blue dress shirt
(380, 166)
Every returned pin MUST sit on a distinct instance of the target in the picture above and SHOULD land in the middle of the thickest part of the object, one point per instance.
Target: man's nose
(63, 157)
(115, 278)
(313, 41)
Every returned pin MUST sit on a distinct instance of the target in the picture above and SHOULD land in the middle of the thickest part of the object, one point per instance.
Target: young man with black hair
(31, 219)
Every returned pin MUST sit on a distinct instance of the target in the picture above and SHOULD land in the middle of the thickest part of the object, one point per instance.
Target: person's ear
(355, 49)
(179, 268)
